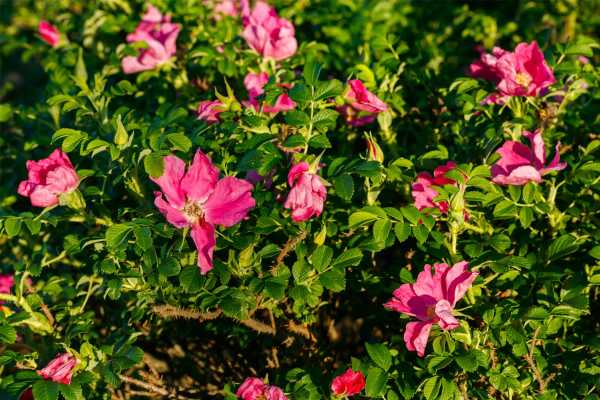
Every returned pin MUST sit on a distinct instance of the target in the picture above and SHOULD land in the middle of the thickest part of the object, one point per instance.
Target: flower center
(431, 311)
(193, 212)
(523, 79)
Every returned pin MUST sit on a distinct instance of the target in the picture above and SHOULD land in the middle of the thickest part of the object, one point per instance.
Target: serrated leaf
(344, 186)
(180, 141)
(351, 257)
(45, 390)
(154, 165)
(321, 257)
(380, 355)
(376, 381)
(169, 267)
(117, 234)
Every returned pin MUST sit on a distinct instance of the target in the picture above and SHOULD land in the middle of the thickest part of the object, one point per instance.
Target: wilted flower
(200, 200)
(49, 180)
(520, 164)
(255, 84)
(256, 389)
(348, 384)
(60, 370)
(49, 33)
(209, 110)
(308, 193)
(431, 299)
(267, 33)
(423, 192)
(361, 106)
(160, 36)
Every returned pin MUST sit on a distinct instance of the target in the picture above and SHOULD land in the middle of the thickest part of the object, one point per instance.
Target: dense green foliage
(116, 285)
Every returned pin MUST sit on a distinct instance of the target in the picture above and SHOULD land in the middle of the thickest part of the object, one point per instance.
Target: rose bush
(299, 200)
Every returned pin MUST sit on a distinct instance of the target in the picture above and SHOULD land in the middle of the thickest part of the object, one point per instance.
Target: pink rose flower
(197, 198)
(348, 384)
(256, 389)
(255, 84)
(524, 72)
(308, 193)
(209, 110)
(60, 370)
(7, 281)
(520, 164)
(431, 299)
(486, 67)
(423, 192)
(160, 36)
(266, 33)
(361, 99)
(227, 7)
(48, 179)
(48, 33)
(362, 106)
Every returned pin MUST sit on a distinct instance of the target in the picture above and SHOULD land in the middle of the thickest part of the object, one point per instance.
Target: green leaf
(299, 93)
(526, 216)
(351, 257)
(321, 258)
(376, 381)
(5, 112)
(431, 388)
(561, 247)
(381, 230)
(421, 233)
(344, 186)
(117, 234)
(360, 218)
(45, 390)
(297, 118)
(71, 392)
(334, 279)
(13, 226)
(80, 70)
(294, 141)
(180, 141)
(319, 142)
(8, 334)
(154, 165)
(169, 267)
(467, 361)
(311, 72)
(402, 231)
(327, 89)
(380, 355)
(190, 279)
(143, 237)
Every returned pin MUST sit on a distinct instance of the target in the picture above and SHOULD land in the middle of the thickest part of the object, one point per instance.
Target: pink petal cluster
(48, 179)
(49, 33)
(160, 36)
(523, 72)
(308, 193)
(431, 299)
(268, 34)
(59, 370)
(423, 192)
(209, 110)
(520, 164)
(349, 383)
(197, 198)
(227, 7)
(7, 281)
(255, 84)
(361, 106)
(256, 389)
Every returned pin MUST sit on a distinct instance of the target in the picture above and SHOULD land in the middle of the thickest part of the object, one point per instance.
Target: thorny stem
(290, 245)
(543, 383)
(171, 394)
